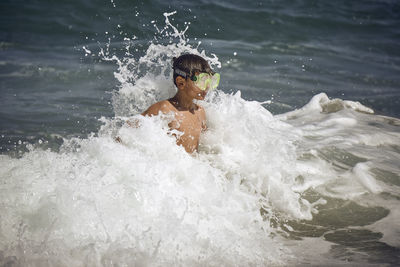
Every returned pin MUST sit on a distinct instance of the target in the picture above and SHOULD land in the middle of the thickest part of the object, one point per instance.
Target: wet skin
(189, 118)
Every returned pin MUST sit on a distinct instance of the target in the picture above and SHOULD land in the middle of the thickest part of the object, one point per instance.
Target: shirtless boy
(193, 78)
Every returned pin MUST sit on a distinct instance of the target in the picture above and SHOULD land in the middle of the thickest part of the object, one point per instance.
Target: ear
(180, 82)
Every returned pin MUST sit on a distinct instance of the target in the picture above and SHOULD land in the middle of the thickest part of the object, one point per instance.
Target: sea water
(314, 185)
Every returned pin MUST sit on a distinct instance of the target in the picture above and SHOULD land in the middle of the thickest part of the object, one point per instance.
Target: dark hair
(190, 63)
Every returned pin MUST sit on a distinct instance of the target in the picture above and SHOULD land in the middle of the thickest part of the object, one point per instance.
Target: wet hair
(190, 63)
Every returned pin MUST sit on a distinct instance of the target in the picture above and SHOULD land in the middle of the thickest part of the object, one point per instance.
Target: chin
(201, 96)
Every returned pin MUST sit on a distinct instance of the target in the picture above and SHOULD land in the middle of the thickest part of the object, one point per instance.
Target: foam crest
(347, 138)
(322, 103)
(251, 145)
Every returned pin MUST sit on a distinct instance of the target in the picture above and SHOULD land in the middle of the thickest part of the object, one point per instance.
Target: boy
(193, 77)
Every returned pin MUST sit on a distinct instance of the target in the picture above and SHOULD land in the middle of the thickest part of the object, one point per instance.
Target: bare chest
(188, 123)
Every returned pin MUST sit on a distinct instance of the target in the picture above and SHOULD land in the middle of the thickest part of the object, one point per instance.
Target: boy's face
(189, 87)
(196, 91)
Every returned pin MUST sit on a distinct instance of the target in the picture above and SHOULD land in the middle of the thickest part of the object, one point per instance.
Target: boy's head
(188, 64)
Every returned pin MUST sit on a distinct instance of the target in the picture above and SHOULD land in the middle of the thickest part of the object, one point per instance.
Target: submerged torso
(190, 123)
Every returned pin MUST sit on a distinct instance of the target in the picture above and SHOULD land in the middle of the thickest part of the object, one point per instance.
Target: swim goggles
(204, 81)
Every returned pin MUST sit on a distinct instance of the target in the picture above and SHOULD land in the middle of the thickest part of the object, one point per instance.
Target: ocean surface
(300, 164)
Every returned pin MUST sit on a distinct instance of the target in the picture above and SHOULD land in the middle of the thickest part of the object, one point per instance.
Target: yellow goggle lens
(207, 81)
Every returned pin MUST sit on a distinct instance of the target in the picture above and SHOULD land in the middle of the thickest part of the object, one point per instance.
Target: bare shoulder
(164, 106)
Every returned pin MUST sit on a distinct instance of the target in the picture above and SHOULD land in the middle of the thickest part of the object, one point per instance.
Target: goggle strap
(181, 73)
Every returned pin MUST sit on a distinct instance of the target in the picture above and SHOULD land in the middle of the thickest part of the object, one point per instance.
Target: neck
(183, 102)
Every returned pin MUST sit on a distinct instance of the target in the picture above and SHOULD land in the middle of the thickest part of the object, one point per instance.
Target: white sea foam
(147, 201)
